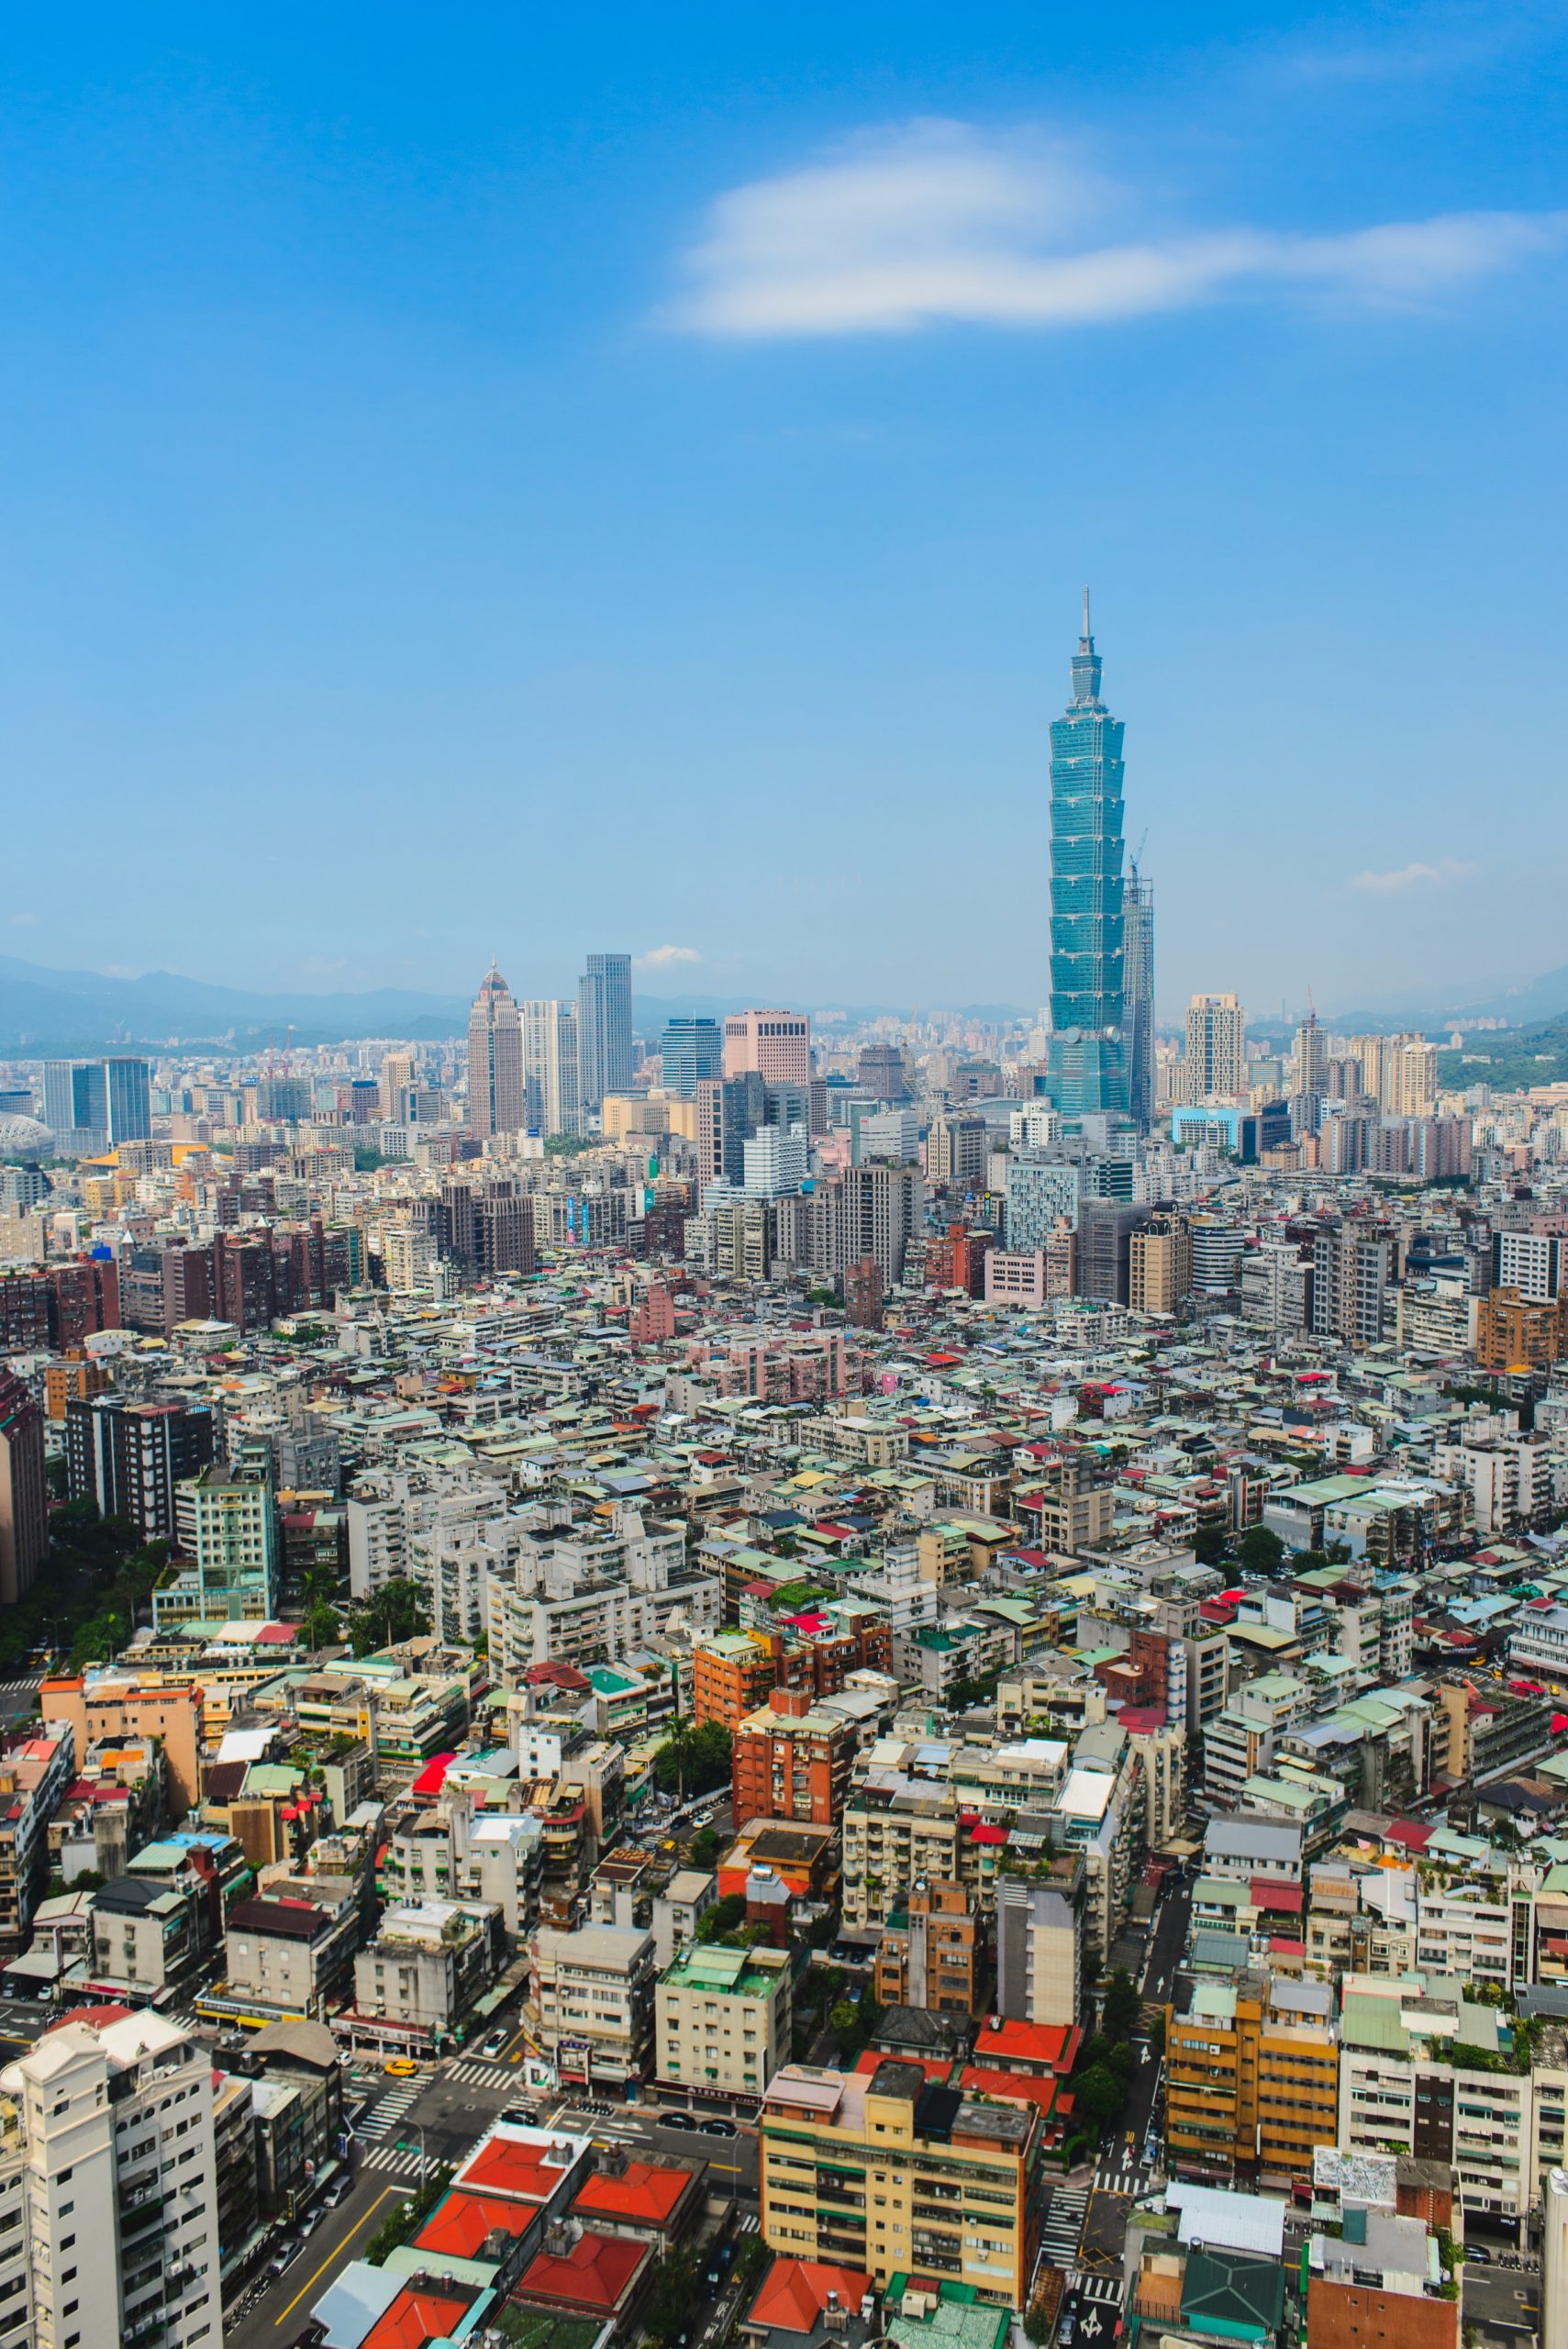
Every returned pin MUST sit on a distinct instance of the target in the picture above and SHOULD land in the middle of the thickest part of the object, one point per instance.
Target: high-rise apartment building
(1088, 1065)
(1040, 1948)
(1216, 1064)
(871, 1211)
(128, 1457)
(775, 1044)
(551, 1065)
(496, 1101)
(1138, 963)
(397, 1082)
(1311, 1057)
(107, 2160)
(889, 2174)
(1409, 1087)
(1160, 1265)
(226, 1525)
(1350, 1282)
(692, 1052)
(604, 1028)
(128, 1098)
(1252, 2080)
(24, 1493)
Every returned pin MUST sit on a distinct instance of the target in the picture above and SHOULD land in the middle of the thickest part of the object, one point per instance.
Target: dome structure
(24, 1138)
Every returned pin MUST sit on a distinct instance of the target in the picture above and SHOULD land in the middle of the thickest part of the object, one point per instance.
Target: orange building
(1513, 1334)
(75, 1380)
(790, 1761)
(171, 1713)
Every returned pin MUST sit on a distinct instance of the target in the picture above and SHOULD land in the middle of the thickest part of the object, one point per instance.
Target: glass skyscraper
(1088, 1065)
(1138, 1004)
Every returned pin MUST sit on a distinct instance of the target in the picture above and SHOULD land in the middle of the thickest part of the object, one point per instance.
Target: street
(1503, 2301)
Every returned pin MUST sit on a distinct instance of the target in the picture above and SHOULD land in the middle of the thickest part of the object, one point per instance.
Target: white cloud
(934, 221)
(666, 958)
(1413, 876)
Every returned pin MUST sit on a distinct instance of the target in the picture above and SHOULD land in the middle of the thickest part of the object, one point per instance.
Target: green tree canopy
(1258, 1550)
(396, 1612)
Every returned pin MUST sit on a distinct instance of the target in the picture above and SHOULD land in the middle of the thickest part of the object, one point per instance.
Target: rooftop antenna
(1086, 630)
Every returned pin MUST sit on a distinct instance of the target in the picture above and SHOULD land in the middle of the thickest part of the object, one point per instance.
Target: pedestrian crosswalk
(483, 2076)
(1064, 2226)
(390, 2111)
(401, 2161)
(747, 2223)
(1119, 2177)
(1105, 2288)
(19, 1687)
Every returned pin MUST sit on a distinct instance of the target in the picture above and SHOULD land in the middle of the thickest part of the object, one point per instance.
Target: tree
(722, 1918)
(1209, 1544)
(1260, 1550)
(843, 2017)
(394, 1612)
(1097, 2094)
(705, 1847)
(1120, 2009)
(672, 2302)
(693, 1760)
(321, 1627)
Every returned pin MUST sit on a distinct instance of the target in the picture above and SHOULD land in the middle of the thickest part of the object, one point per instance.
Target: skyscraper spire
(1088, 1069)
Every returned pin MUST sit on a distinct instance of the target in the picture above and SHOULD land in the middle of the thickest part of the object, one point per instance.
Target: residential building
(1040, 1946)
(1215, 1068)
(1160, 1265)
(129, 1457)
(722, 2021)
(889, 2174)
(225, 1526)
(791, 1760)
(930, 1953)
(109, 2163)
(591, 1992)
(24, 1492)
(1251, 2080)
(551, 1066)
(429, 1963)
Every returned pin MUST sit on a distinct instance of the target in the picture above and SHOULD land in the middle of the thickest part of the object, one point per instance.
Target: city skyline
(471, 450)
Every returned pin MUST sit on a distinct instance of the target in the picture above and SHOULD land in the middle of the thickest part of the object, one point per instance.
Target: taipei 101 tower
(1087, 1070)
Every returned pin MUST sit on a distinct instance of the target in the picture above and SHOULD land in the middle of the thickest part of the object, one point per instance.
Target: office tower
(494, 1061)
(881, 1073)
(396, 1084)
(551, 1065)
(1216, 1065)
(604, 1028)
(1311, 1056)
(956, 1151)
(128, 1457)
(692, 1052)
(74, 1099)
(24, 1493)
(1139, 998)
(108, 2160)
(128, 1094)
(1088, 1069)
(775, 1044)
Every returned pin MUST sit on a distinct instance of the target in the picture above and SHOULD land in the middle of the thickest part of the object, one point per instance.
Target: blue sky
(525, 480)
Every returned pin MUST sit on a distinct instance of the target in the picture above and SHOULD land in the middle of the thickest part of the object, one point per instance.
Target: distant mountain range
(45, 1012)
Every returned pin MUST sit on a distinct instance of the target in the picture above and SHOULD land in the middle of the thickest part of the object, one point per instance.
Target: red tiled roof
(413, 2319)
(1408, 1831)
(513, 2165)
(459, 2224)
(593, 2273)
(1280, 1897)
(794, 2293)
(1047, 2046)
(647, 2190)
(935, 2068)
(986, 1832)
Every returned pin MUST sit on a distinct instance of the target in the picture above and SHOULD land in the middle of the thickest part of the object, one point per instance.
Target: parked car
(679, 2120)
(717, 2128)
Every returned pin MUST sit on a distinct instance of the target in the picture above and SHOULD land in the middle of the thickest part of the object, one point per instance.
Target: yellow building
(893, 2175)
(1251, 2080)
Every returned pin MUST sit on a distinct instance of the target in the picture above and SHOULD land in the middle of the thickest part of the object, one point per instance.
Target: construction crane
(1137, 853)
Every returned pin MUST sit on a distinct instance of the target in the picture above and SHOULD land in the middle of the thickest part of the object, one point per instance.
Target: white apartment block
(107, 2156)
(593, 1992)
(722, 2021)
